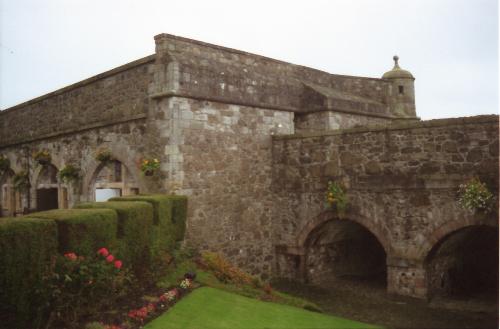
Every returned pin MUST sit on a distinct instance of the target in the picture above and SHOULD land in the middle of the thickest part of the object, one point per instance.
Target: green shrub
(179, 215)
(76, 287)
(26, 245)
(167, 230)
(135, 223)
(83, 230)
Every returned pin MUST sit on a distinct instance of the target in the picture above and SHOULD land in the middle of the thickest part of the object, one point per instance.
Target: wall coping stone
(398, 125)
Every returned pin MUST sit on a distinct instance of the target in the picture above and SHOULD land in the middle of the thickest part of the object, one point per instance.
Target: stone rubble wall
(220, 157)
(402, 184)
(111, 97)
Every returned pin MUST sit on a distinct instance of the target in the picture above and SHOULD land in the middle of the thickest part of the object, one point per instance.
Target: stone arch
(129, 182)
(463, 260)
(329, 215)
(333, 247)
(47, 190)
(452, 226)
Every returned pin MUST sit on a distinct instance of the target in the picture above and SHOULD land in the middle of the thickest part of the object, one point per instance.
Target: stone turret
(401, 96)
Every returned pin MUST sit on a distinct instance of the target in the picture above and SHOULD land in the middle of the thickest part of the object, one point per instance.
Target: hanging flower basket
(336, 197)
(475, 196)
(4, 164)
(149, 166)
(69, 174)
(21, 181)
(42, 157)
(104, 156)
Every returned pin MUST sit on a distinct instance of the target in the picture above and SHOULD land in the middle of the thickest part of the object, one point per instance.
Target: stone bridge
(403, 221)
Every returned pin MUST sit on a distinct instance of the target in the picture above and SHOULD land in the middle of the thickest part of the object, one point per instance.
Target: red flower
(103, 251)
(118, 264)
(110, 258)
(71, 256)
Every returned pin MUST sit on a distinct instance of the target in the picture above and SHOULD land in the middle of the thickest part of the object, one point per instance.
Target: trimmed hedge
(179, 215)
(26, 247)
(135, 223)
(83, 231)
(169, 218)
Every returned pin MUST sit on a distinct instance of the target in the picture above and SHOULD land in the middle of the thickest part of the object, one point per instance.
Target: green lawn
(207, 308)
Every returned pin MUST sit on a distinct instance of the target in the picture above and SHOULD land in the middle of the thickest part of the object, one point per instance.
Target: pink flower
(118, 264)
(110, 258)
(71, 256)
(103, 251)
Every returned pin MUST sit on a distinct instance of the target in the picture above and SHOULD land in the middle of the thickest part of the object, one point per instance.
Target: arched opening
(112, 179)
(47, 189)
(343, 249)
(464, 264)
(9, 198)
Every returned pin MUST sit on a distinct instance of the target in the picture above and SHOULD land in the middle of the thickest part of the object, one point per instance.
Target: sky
(450, 46)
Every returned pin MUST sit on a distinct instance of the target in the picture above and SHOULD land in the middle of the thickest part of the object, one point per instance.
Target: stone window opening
(401, 90)
(112, 180)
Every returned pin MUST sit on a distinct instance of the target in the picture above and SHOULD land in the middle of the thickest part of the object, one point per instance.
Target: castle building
(253, 141)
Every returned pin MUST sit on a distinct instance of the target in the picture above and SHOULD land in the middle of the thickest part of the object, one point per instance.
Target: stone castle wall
(220, 156)
(126, 141)
(111, 97)
(199, 70)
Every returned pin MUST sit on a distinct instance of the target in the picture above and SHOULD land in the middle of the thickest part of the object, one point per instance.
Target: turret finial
(396, 59)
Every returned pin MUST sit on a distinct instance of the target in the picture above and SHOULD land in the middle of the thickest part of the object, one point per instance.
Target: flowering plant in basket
(69, 173)
(104, 156)
(474, 195)
(336, 197)
(42, 157)
(150, 166)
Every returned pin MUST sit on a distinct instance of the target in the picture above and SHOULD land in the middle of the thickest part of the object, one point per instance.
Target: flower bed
(153, 308)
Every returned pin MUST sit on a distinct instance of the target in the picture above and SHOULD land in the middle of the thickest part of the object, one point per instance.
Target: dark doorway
(46, 199)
